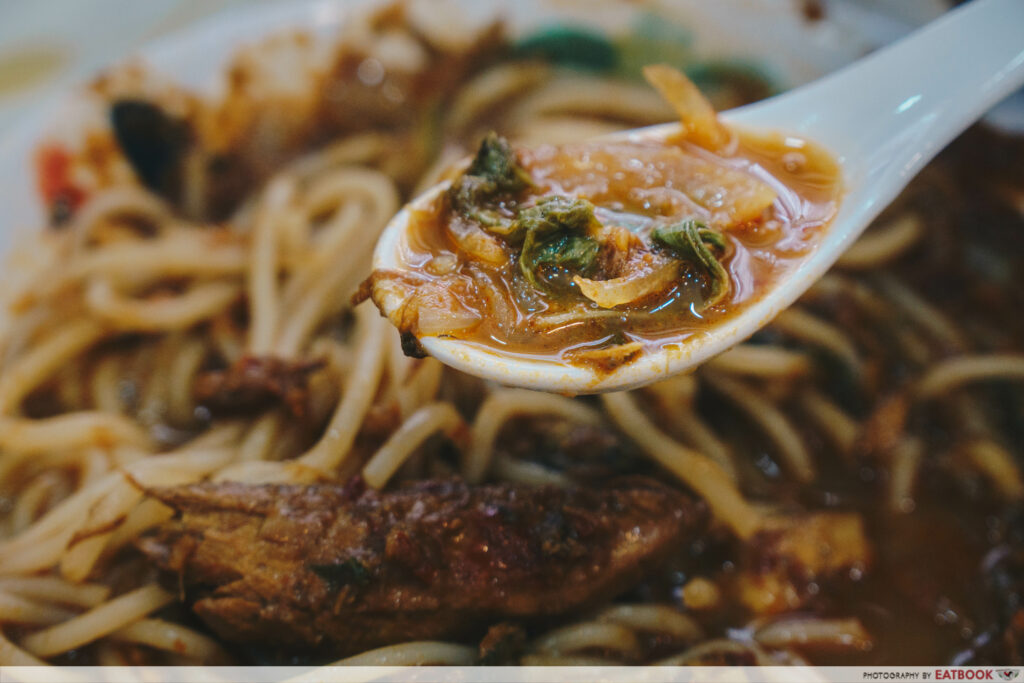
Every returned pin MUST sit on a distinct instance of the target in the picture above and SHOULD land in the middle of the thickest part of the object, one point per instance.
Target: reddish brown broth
(638, 186)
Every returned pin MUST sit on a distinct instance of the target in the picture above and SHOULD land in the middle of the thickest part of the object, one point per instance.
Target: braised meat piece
(335, 570)
(255, 382)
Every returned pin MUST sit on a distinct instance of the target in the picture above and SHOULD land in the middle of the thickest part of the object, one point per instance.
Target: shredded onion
(695, 112)
(647, 279)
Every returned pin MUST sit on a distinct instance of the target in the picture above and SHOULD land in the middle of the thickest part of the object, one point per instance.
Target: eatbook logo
(968, 673)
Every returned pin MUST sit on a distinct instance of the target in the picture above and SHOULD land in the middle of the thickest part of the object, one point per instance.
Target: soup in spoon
(595, 253)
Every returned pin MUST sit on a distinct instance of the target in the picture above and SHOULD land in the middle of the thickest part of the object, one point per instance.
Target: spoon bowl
(883, 118)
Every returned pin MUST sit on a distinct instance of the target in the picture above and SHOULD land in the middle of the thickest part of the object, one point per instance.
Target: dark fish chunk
(253, 383)
(335, 570)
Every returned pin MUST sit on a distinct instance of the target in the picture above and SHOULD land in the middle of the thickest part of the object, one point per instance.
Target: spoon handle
(892, 111)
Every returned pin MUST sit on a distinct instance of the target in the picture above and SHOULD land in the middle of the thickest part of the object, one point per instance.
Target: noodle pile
(126, 305)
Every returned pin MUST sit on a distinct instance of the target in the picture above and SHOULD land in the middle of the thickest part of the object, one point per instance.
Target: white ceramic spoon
(883, 118)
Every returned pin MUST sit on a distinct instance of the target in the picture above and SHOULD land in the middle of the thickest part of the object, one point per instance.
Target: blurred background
(44, 45)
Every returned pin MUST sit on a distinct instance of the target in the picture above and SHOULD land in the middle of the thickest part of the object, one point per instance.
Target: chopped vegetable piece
(551, 216)
(647, 277)
(478, 243)
(695, 112)
(693, 241)
(494, 171)
(683, 235)
(573, 252)
(558, 213)
(496, 162)
(438, 310)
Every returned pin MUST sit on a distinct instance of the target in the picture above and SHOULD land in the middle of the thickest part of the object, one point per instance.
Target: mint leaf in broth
(557, 232)
(496, 163)
(575, 253)
(494, 172)
(552, 214)
(693, 241)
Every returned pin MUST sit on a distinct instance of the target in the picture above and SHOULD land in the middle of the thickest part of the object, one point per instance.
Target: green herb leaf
(494, 171)
(556, 232)
(351, 572)
(575, 253)
(496, 162)
(570, 46)
(692, 240)
(553, 214)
